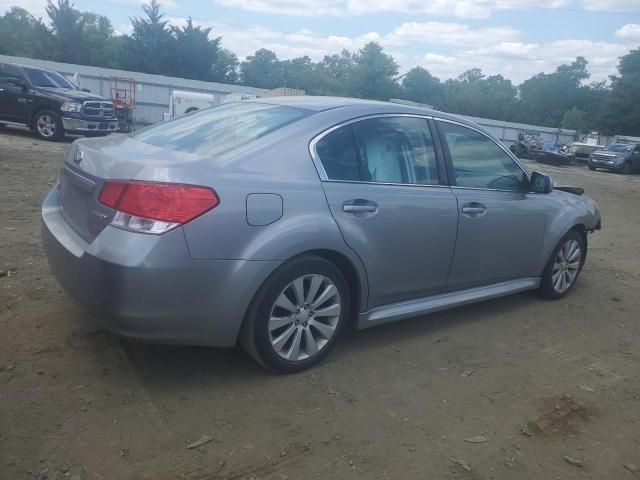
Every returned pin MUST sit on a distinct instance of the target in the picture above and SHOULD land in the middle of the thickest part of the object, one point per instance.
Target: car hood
(68, 94)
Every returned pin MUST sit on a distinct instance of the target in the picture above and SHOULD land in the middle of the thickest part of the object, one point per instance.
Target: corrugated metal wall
(152, 92)
(507, 132)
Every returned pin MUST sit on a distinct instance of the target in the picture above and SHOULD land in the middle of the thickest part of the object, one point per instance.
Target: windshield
(619, 147)
(47, 78)
(220, 129)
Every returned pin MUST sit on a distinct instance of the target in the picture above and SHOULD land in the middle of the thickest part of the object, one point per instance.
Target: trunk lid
(89, 163)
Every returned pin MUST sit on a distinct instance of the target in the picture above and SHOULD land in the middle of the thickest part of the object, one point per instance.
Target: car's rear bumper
(148, 287)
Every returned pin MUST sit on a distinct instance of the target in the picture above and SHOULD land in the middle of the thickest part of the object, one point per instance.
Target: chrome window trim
(499, 144)
(320, 168)
(419, 185)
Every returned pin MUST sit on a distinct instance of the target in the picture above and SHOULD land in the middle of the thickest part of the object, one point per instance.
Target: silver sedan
(277, 222)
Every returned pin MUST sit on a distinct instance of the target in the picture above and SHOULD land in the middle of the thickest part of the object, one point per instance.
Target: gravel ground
(515, 388)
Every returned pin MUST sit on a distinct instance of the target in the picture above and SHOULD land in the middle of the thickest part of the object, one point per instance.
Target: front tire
(626, 168)
(297, 315)
(564, 266)
(591, 167)
(47, 125)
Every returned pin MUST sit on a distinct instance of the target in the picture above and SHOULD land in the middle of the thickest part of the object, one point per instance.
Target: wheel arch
(350, 272)
(354, 276)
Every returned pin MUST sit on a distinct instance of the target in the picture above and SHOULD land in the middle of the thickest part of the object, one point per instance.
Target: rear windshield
(220, 129)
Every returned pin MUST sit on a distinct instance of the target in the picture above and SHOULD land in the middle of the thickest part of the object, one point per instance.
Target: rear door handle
(359, 208)
(473, 208)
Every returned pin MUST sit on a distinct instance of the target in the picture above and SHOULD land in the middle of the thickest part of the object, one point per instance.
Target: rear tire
(297, 315)
(564, 266)
(48, 126)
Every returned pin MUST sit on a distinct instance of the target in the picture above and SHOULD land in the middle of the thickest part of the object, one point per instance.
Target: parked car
(278, 222)
(617, 157)
(50, 105)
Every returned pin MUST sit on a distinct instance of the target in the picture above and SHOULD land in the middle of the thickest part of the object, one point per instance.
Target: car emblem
(78, 156)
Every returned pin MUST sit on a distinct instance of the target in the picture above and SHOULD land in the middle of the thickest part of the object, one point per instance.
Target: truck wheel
(47, 125)
(626, 168)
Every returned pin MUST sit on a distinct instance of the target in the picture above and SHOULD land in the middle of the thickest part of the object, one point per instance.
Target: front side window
(381, 150)
(478, 162)
(47, 78)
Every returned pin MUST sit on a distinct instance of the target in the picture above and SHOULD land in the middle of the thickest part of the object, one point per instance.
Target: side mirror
(540, 183)
(86, 90)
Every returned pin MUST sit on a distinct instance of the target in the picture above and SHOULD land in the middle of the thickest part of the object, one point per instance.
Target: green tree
(67, 24)
(225, 68)
(150, 47)
(193, 51)
(575, 119)
(23, 35)
(373, 74)
(473, 93)
(298, 73)
(544, 98)
(620, 112)
(332, 75)
(418, 85)
(262, 70)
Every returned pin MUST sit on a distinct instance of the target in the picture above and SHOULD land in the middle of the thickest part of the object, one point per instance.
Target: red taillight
(166, 202)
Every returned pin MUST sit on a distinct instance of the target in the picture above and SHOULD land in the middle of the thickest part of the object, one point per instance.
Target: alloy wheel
(46, 125)
(566, 266)
(304, 317)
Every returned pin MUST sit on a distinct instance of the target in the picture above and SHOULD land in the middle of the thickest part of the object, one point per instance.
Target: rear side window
(8, 71)
(381, 150)
(217, 130)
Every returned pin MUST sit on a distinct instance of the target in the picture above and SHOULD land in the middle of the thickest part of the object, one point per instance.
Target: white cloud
(629, 32)
(445, 49)
(473, 9)
(613, 5)
(445, 33)
(164, 3)
(35, 7)
(303, 8)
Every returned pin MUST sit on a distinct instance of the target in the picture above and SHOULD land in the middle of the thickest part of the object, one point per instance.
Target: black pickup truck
(50, 105)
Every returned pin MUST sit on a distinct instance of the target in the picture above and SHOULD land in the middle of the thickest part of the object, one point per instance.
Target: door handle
(359, 208)
(473, 208)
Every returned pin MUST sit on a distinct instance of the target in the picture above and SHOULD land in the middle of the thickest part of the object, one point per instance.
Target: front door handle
(474, 209)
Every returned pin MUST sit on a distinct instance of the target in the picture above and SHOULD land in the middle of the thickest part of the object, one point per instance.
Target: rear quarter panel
(280, 164)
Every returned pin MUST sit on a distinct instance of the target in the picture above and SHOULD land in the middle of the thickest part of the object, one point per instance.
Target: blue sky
(515, 38)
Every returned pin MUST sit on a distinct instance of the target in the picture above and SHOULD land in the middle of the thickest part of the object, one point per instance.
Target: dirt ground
(516, 388)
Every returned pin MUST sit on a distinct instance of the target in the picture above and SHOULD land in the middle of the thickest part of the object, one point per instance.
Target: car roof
(364, 107)
(21, 65)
